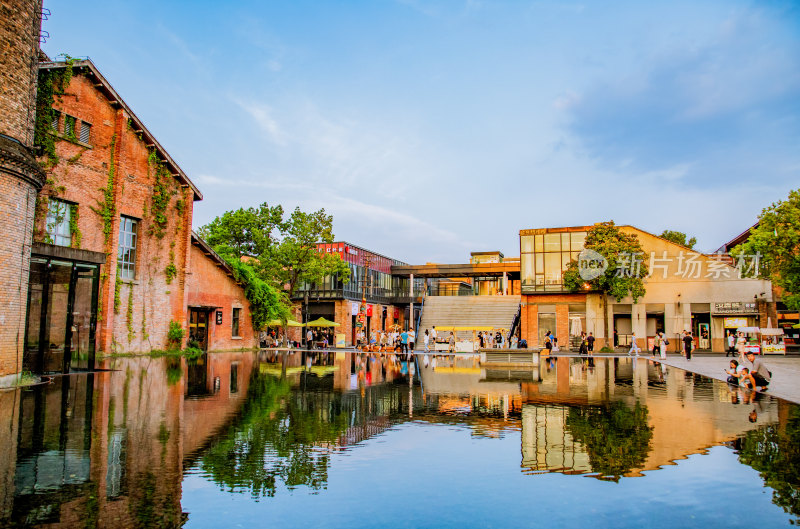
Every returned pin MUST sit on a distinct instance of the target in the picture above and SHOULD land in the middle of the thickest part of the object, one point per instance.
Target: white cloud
(262, 114)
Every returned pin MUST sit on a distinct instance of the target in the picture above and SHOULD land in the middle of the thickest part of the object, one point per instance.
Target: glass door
(198, 327)
(84, 312)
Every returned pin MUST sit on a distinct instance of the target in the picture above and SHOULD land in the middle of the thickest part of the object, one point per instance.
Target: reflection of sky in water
(422, 475)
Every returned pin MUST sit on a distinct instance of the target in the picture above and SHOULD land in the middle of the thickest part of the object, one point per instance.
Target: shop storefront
(729, 316)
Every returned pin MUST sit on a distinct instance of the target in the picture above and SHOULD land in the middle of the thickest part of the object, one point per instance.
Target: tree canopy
(776, 239)
(678, 237)
(273, 255)
(626, 267)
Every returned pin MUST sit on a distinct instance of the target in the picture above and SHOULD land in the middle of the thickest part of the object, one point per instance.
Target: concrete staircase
(467, 311)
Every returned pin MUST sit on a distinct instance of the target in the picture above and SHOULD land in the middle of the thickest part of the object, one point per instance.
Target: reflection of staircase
(468, 311)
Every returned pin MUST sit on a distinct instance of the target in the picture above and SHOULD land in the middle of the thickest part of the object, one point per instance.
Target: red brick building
(387, 297)
(219, 315)
(113, 242)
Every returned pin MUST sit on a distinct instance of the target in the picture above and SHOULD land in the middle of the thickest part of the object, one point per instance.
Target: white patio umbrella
(769, 330)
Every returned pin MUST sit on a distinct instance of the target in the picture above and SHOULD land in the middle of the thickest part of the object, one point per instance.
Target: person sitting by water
(734, 373)
(758, 369)
(746, 380)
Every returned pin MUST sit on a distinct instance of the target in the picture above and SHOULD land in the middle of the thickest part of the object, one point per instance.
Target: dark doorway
(198, 327)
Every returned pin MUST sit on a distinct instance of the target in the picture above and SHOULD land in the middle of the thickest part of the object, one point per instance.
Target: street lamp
(305, 312)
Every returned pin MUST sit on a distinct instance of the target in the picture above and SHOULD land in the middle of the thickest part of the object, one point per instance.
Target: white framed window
(126, 254)
(57, 223)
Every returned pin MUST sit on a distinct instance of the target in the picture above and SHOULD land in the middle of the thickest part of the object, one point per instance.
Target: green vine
(131, 332)
(74, 230)
(117, 288)
(103, 278)
(51, 83)
(107, 209)
(145, 334)
(163, 191)
(171, 270)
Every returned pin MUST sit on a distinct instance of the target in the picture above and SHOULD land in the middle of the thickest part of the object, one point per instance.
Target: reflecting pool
(360, 440)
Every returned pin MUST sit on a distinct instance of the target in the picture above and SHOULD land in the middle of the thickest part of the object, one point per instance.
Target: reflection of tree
(775, 453)
(616, 437)
(281, 437)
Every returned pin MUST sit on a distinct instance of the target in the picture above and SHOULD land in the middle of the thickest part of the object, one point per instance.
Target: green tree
(678, 237)
(777, 239)
(616, 437)
(244, 232)
(626, 267)
(296, 259)
(272, 255)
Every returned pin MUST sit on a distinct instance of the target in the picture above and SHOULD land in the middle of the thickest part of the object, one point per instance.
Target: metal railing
(421, 308)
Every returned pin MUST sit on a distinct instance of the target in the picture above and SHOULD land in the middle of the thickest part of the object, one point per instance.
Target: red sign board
(369, 310)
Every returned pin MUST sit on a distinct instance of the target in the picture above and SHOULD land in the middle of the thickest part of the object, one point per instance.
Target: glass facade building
(545, 254)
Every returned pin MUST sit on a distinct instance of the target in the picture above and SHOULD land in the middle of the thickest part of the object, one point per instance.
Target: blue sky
(432, 129)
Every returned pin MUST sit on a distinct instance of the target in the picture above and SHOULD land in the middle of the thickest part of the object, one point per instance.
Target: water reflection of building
(109, 448)
(674, 398)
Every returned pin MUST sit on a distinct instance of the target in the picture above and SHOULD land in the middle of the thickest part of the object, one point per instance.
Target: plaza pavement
(785, 382)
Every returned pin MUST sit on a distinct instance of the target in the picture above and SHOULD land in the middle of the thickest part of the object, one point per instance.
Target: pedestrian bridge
(508, 268)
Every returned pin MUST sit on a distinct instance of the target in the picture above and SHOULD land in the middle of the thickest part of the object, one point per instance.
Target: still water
(358, 440)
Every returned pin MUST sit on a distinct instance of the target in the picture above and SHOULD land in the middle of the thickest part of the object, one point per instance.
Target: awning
(321, 322)
(279, 323)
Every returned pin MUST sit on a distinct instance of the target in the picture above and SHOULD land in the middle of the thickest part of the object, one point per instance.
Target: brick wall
(80, 176)
(207, 284)
(530, 316)
(19, 47)
(20, 177)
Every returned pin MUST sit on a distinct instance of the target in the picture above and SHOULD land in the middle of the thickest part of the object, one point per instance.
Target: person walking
(662, 349)
(451, 343)
(434, 335)
(590, 343)
(741, 343)
(548, 342)
(426, 341)
(404, 342)
(634, 345)
(731, 345)
(412, 337)
(584, 348)
(688, 342)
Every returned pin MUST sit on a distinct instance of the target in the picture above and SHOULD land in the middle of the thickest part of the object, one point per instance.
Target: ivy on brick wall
(129, 314)
(74, 230)
(52, 84)
(117, 288)
(163, 191)
(106, 208)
